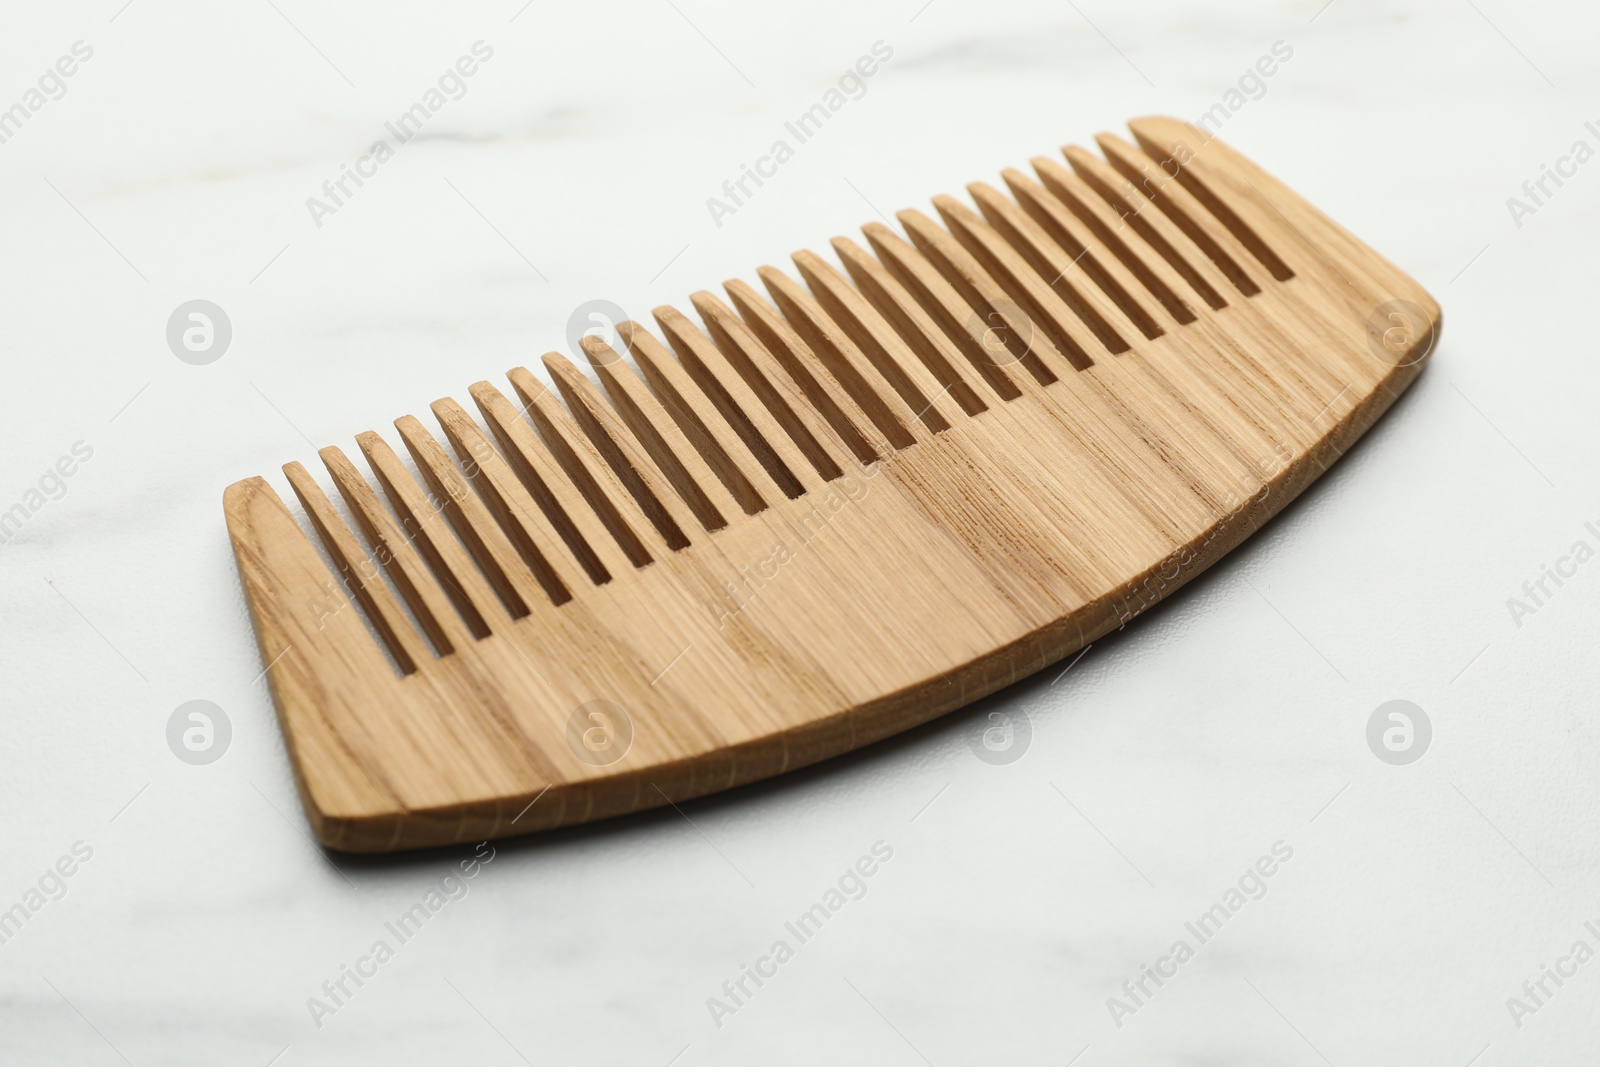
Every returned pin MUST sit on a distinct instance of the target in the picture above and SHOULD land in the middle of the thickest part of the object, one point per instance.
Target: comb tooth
(776, 388)
(866, 433)
(617, 446)
(536, 540)
(360, 572)
(733, 399)
(1152, 182)
(1096, 210)
(324, 670)
(773, 406)
(723, 450)
(572, 452)
(987, 335)
(1164, 152)
(512, 580)
(877, 340)
(1076, 275)
(1144, 183)
(411, 576)
(585, 535)
(1068, 200)
(430, 532)
(1064, 318)
(934, 343)
(914, 418)
(1152, 226)
(988, 296)
(679, 461)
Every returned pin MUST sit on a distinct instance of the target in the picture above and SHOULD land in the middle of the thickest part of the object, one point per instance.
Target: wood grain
(828, 511)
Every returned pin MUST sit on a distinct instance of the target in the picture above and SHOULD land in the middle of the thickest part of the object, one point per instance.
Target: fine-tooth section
(780, 396)
(1064, 262)
(484, 538)
(884, 404)
(738, 406)
(616, 445)
(869, 432)
(1058, 348)
(1176, 203)
(909, 375)
(946, 347)
(1214, 203)
(585, 535)
(1151, 226)
(527, 526)
(679, 461)
(1069, 200)
(743, 474)
(1059, 305)
(410, 575)
(360, 573)
(584, 468)
(421, 517)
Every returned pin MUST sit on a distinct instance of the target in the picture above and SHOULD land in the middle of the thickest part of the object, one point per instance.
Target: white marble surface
(1418, 899)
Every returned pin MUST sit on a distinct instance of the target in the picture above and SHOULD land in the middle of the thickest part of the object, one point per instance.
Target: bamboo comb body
(825, 514)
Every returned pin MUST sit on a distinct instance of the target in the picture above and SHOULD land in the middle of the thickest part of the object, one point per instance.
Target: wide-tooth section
(773, 399)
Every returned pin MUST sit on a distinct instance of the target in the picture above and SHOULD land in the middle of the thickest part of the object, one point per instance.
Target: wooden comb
(827, 514)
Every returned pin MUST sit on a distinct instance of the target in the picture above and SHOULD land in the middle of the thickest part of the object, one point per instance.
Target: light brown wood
(836, 511)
